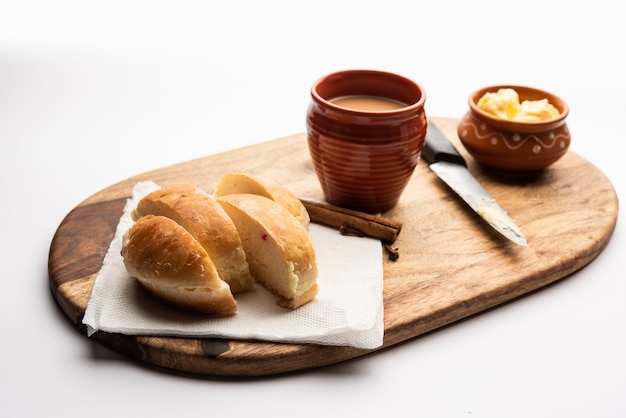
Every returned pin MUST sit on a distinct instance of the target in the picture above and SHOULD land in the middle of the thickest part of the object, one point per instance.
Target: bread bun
(239, 183)
(278, 247)
(169, 263)
(199, 213)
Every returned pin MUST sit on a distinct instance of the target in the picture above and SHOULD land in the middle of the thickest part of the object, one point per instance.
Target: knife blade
(450, 166)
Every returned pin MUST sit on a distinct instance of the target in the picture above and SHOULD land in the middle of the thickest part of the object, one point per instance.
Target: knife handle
(439, 148)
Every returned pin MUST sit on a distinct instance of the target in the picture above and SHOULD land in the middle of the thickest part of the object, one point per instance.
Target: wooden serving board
(451, 265)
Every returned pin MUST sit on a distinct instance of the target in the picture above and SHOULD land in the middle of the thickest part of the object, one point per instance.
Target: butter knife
(450, 166)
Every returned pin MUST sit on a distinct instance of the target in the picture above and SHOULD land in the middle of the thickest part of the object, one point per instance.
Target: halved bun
(240, 183)
(199, 213)
(169, 263)
(277, 245)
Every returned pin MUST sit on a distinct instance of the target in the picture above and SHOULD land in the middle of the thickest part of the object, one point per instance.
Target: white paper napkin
(348, 309)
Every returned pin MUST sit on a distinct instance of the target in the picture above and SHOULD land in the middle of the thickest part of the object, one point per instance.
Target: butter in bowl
(515, 129)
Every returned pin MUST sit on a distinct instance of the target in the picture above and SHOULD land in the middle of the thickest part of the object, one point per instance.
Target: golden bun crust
(199, 213)
(240, 183)
(169, 263)
(277, 245)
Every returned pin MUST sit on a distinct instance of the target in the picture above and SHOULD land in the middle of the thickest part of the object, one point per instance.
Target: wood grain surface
(451, 265)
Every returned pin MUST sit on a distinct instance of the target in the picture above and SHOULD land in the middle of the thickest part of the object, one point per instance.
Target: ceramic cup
(364, 158)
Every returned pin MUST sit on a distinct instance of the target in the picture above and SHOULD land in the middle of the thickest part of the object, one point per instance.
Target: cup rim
(392, 79)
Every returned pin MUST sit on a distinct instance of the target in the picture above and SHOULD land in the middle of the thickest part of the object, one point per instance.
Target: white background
(94, 92)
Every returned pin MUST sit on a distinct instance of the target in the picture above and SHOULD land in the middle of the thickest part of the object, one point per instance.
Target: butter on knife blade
(496, 217)
(445, 161)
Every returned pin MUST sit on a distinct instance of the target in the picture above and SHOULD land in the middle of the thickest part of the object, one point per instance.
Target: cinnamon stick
(353, 222)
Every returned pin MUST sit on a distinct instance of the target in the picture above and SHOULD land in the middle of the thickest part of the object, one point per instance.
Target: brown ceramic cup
(364, 158)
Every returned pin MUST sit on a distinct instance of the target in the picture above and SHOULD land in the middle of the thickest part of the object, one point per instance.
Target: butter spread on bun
(277, 245)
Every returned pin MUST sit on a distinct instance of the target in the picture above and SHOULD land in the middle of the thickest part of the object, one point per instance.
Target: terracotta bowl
(514, 146)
